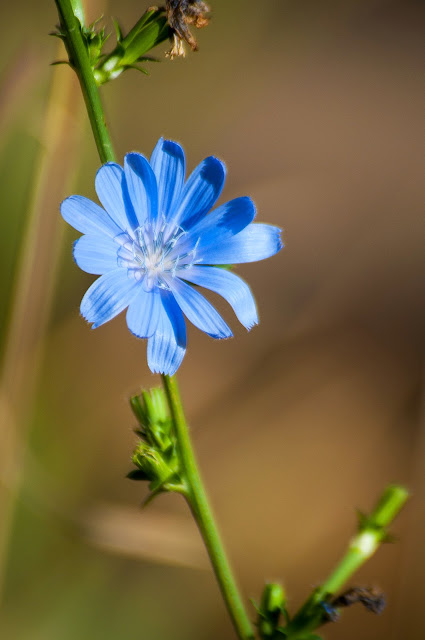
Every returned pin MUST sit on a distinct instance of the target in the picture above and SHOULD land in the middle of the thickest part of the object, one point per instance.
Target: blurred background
(315, 108)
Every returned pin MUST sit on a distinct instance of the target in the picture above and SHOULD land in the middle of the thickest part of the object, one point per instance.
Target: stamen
(153, 254)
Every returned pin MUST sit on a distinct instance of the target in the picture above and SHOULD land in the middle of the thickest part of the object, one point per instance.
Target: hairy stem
(196, 497)
(202, 513)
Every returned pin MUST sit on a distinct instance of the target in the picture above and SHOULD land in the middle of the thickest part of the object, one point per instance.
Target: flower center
(155, 254)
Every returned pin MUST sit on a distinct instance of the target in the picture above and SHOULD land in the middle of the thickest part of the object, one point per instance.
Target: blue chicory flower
(154, 238)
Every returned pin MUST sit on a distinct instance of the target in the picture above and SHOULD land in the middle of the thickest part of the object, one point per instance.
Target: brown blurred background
(315, 108)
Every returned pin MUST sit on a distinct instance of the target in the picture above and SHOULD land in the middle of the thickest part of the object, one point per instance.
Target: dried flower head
(181, 14)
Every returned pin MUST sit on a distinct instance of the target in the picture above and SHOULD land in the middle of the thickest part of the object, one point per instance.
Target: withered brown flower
(181, 14)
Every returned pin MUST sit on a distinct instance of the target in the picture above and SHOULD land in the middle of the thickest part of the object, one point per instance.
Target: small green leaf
(58, 34)
(256, 606)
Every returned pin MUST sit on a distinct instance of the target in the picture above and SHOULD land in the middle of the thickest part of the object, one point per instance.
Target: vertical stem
(202, 513)
(81, 63)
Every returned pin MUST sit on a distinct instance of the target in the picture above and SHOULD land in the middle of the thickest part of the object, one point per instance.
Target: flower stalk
(199, 505)
(196, 496)
(80, 61)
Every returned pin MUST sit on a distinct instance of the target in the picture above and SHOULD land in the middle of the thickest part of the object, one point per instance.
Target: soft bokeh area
(316, 109)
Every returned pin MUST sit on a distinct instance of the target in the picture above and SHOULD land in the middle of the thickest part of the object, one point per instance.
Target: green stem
(196, 495)
(80, 61)
(201, 510)
(371, 533)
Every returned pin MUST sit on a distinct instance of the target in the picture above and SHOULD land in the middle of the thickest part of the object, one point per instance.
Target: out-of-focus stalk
(17, 80)
(33, 291)
(370, 535)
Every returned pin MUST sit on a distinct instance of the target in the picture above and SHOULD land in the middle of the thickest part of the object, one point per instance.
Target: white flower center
(155, 254)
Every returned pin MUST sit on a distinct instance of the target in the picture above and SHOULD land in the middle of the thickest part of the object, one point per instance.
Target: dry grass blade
(33, 289)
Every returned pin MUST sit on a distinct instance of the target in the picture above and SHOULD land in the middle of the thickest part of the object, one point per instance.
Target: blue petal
(219, 225)
(255, 242)
(87, 217)
(107, 297)
(142, 187)
(169, 166)
(200, 192)
(198, 310)
(167, 346)
(143, 313)
(95, 254)
(231, 287)
(109, 188)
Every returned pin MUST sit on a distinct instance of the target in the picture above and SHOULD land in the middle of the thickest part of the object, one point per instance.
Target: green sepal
(365, 522)
(152, 463)
(226, 267)
(150, 497)
(138, 409)
(156, 405)
(152, 34)
(149, 15)
(389, 538)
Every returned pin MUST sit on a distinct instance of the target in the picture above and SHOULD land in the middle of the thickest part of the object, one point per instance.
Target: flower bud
(151, 411)
(147, 33)
(152, 464)
(272, 605)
